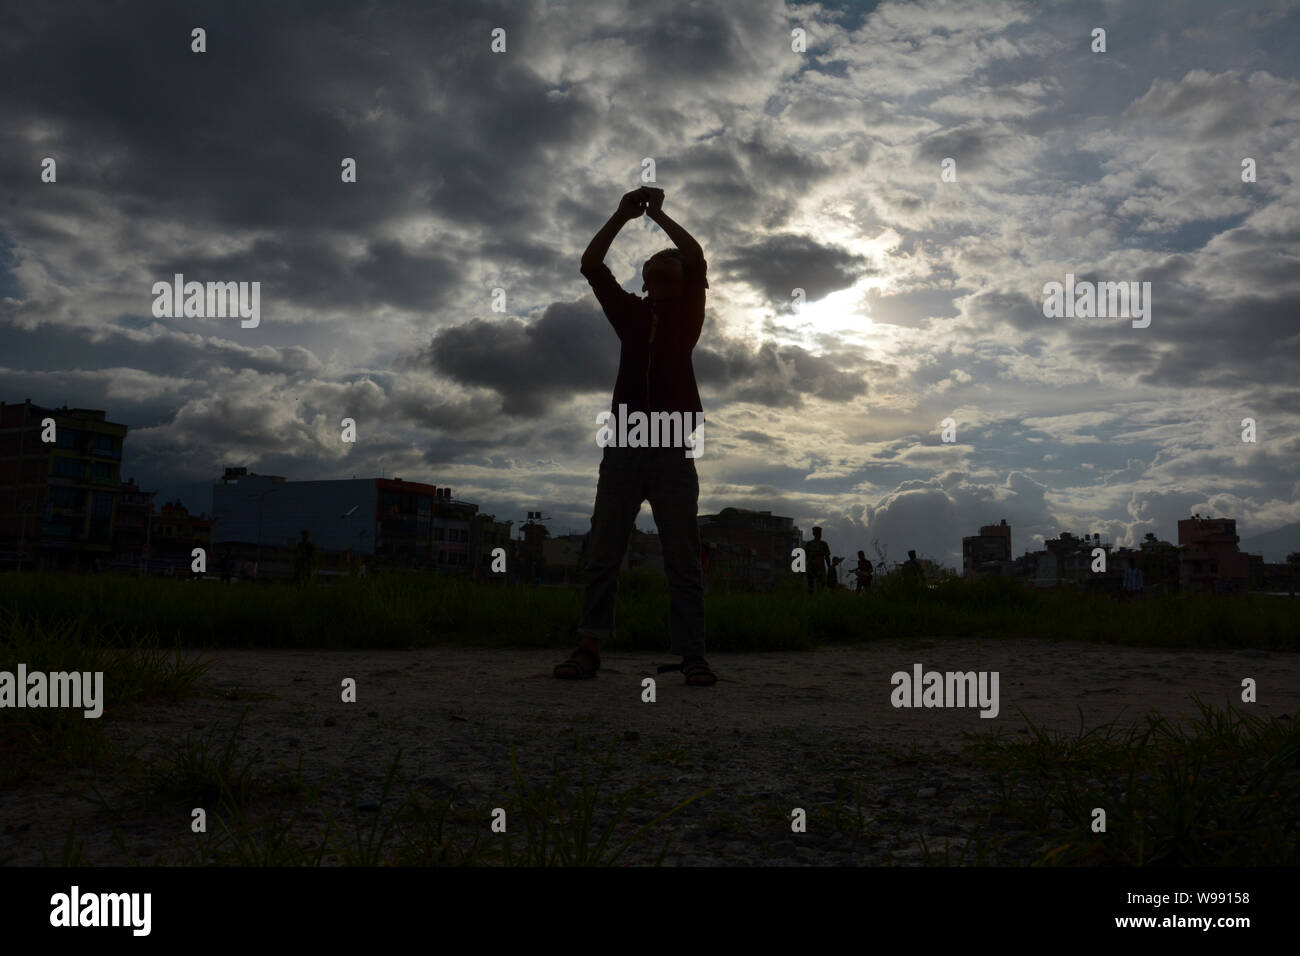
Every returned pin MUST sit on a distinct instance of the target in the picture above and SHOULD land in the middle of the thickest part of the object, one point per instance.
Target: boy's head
(663, 275)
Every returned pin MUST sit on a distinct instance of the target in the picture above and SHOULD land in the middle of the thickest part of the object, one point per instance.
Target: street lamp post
(360, 531)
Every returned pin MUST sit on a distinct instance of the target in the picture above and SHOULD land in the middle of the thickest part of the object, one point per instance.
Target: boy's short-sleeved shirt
(655, 373)
(816, 552)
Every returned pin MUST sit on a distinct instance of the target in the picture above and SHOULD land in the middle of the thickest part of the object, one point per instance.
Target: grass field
(411, 610)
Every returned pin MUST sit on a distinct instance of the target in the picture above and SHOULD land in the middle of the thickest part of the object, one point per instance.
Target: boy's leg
(619, 493)
(674, 494)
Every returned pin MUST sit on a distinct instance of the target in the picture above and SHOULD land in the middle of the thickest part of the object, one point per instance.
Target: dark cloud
(251, 134)
(1204, 105)
(777, 264)
(310, 270)
(192, 354)
(913, 309)
(781, 166)
(969, 146)
(686, 45)
(569, 350)
(1014, 308)
(772, 375)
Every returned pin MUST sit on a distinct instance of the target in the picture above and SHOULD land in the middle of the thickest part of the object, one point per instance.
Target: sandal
(582, 663)
(696, 670)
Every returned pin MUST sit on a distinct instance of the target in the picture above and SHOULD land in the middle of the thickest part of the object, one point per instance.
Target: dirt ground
(778, 729)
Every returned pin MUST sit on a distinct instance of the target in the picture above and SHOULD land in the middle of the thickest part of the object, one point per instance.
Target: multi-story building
(1066, 559)
(486, 534)
(988, 552)
(1074, 556)
(729, 566)
(564, 557)
(453, 532)
(1158, 561)
(259, 518)
(173, 535)
(132, 524)
(1210, 559)
(58, 497)
(531, 548)
(749, 548)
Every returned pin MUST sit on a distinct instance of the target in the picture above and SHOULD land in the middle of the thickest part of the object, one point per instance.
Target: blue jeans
(629, 476)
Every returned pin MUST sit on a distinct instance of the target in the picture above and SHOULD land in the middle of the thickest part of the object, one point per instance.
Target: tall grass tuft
(1220, 788)
(135, 670)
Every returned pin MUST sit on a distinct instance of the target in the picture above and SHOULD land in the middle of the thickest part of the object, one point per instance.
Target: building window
(66, 497)
(67, 467)
(66, 437)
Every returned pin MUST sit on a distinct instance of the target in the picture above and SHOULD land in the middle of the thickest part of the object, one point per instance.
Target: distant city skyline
(921, 171)
(1274, 548)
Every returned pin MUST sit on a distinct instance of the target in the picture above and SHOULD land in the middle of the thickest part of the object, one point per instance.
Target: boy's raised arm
(680, 237)
(630, 207)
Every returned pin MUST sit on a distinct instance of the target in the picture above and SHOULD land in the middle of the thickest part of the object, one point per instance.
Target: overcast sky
(818, 170)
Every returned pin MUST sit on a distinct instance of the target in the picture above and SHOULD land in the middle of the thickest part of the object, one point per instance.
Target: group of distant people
(823, 570)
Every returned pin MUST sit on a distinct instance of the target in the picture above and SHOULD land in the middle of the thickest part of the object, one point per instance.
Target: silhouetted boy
(913, 573)
(818, 555)
(655, 374)
(865, 572)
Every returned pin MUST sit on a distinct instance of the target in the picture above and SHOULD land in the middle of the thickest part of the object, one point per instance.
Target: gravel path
(777, 732)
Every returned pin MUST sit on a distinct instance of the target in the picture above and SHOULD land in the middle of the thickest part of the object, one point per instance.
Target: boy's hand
(654, 197)
(632, 204)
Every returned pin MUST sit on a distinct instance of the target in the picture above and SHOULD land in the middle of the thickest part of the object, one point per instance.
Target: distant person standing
(818, 555)
(833, 573)
(913, 573)
(865, 572)
(303, 559)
